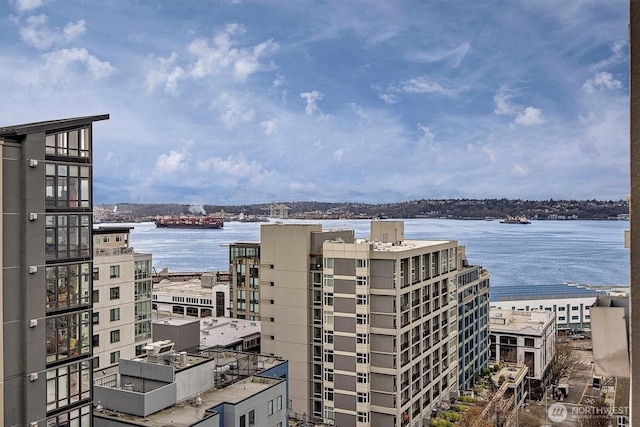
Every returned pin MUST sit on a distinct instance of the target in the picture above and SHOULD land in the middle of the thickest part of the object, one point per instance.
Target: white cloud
(36, 32)
(455, 55)
(422, 85)
(602, 80)
(502, 100)
(618, 56)
(519, 170)
(529, 116)
(23, 5)
(302, 187)
(235, 168)
(490, 152)
(338, 154)
(427, 137)
(58, 62)
(236, 112)
(389, 98)
(164, 73)
(270, 126)
(312, 99)
(525, 116)
(174, 161)
(223, 54)
(73, 30)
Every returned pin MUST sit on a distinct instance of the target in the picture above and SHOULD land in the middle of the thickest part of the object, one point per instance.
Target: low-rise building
(204, 389)
(523, 338)
(571, 304)
(202, 296)
(208, 333)
(504, 405)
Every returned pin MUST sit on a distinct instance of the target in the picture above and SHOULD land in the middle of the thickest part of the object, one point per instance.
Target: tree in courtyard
(562, 362)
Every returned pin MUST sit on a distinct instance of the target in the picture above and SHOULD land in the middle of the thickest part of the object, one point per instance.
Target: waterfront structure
(571, 305)
(46, 203)
(200, 296)
(369, 326)
(523, 338)
(244, 269)
(121, 297)
(473, 320)
(203, 389)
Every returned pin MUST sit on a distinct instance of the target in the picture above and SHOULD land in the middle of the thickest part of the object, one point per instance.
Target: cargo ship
(190, 221)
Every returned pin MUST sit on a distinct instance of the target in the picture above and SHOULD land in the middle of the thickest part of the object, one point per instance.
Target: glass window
(270, 407)
(114, 314)
(114, 357)
(67, 336)
(114, 293)
(279, 403)
(252, 417)
(115, 336)
(67, 236)
(68, 385)
(114, 271)
(67, 286)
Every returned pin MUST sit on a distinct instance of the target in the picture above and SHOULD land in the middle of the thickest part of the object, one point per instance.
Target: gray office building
(46, 203)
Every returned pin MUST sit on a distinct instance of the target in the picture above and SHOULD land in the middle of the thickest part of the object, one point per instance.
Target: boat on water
(190, 221)
(515, 220)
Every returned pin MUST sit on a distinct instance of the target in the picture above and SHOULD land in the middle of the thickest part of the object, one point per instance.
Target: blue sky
(233, 102)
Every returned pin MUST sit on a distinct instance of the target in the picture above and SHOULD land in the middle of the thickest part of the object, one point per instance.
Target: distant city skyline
(248, 102)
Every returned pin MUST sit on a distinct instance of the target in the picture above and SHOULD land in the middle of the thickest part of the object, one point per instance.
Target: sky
(241, 101)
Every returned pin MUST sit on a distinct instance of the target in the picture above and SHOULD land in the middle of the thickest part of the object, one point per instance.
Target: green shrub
(451, 415)
(440, 422)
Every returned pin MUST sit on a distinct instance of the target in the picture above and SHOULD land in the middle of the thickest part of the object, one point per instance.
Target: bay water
(540, 253)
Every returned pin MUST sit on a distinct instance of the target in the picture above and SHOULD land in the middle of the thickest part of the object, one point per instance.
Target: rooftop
(530, 322)
(242, 373)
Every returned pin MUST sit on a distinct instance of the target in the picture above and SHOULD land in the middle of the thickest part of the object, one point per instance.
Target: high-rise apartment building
(473, 320)
(244, 266)
(369, 326)
(46, 204)
(121, 297)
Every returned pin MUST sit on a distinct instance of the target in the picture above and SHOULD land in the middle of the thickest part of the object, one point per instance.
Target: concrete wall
(136, 403)
(22, 246)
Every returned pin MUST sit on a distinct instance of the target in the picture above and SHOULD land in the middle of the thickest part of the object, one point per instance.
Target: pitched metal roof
(27, 128)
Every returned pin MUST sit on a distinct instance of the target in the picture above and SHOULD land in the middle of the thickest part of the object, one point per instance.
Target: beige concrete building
(523, 338)
(369, 326)
(121, 297)
(201, 296)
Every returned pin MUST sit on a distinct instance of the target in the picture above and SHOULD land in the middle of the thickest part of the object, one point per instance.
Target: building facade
(473, 320)
(121, 297)
(572, 310)
(523, 338)
(197, 297)
(244, 268)
(369, 326)
(46, 205)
